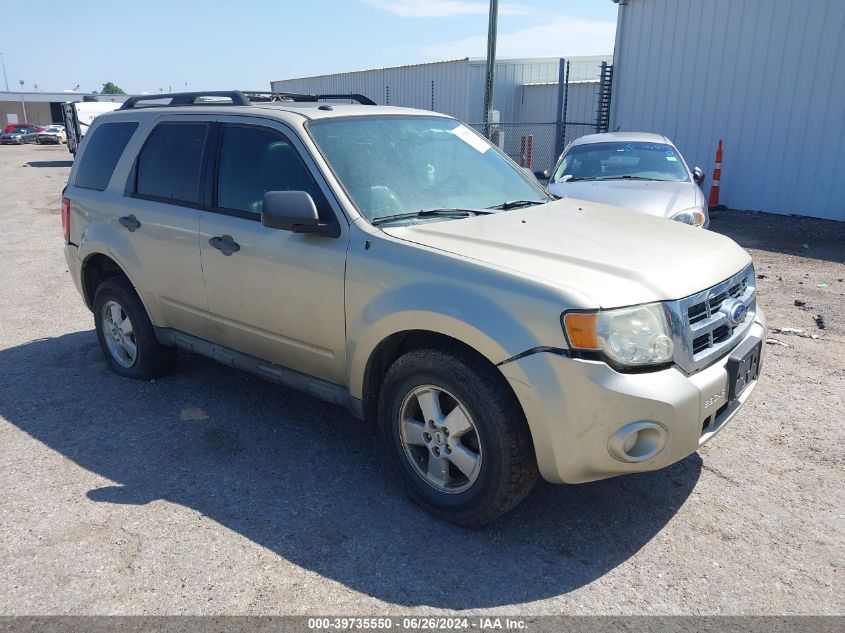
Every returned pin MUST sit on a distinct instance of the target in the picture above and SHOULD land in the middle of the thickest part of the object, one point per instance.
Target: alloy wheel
(440, 439)
(119, 335)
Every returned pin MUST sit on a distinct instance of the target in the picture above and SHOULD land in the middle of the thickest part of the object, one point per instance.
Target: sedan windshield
(398, 166)
(622, 161)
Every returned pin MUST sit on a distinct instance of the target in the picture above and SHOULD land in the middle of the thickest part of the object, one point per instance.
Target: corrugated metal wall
(439, 86)
(510, 75)
(452, 87)
(767, 76)
(539, 102)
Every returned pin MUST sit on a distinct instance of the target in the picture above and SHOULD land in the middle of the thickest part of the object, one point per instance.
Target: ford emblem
(736, 311)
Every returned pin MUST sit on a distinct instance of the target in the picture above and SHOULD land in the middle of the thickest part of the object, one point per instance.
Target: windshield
(395, 165)
(615, 161)
(54, 128)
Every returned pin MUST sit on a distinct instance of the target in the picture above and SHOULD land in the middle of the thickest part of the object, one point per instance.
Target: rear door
(279, 296)
(159, 217)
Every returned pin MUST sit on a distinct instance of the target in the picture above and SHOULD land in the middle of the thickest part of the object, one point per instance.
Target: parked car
(639, 171)
(20, 135)
(14, 126)
(54, 134)
(395, 262)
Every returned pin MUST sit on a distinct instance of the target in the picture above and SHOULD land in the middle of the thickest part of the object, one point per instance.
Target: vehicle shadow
(50, 163)
(305, 480)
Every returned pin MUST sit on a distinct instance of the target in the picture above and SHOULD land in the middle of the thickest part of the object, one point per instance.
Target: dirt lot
(213, 491)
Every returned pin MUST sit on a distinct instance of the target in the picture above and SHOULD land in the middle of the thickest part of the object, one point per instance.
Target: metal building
(41, 107)
(528, 96)
(764, 75)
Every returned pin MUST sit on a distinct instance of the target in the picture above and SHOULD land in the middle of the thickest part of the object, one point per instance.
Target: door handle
(130, 222)
(225, 244)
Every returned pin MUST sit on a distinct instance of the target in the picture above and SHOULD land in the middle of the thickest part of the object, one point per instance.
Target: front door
(273, 294)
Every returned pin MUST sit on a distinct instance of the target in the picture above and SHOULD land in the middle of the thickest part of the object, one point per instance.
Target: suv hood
(647, 196)
(615, 256)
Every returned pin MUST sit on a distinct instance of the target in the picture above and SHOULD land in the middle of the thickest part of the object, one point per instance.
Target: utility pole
(491, 64)
(23, 105)
(5, 78)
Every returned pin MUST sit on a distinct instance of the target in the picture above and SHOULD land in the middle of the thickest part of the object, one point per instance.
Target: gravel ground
(214, 492)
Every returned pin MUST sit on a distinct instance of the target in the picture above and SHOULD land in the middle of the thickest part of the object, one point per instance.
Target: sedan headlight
(694, 216)
(630, 337)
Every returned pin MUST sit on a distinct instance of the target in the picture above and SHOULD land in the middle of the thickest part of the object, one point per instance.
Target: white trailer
(78, 116)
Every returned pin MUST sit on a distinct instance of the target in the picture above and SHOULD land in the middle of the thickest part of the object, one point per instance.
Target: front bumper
(574, 408)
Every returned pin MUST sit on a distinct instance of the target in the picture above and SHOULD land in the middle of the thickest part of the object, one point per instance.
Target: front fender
(469, 317)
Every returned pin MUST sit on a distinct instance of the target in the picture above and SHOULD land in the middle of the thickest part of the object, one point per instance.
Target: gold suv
(395, 262)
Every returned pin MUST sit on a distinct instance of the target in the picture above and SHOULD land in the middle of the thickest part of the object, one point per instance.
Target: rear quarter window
(101, 154)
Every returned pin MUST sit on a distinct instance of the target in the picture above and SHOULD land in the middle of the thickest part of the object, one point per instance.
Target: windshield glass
(614, 161)
(54, 128)
(394, 165)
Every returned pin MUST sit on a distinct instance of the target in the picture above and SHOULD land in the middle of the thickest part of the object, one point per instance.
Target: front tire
(125, 333)
(456, 436)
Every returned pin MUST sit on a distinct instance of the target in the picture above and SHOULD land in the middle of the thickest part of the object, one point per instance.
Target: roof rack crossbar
(305, 97)
(187, 98)
(238, 97)
(353, 96)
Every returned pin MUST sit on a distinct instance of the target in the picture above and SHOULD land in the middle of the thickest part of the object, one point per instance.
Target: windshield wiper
(428, 213)
(516, 204)
(629, 178)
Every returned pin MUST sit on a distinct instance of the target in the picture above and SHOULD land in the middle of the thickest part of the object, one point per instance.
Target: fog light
(638, 441)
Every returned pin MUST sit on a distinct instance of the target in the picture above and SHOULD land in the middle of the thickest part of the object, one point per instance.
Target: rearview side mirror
(541, 174)
(698, 176)
(291, 211)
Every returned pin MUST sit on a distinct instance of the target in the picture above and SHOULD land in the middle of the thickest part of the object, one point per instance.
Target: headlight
(631, 337)
(695, 217)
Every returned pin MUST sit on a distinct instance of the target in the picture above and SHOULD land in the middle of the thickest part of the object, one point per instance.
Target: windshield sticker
(672, 159)
(471, 139)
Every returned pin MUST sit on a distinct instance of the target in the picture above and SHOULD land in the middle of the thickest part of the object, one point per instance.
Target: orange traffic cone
(717, 176)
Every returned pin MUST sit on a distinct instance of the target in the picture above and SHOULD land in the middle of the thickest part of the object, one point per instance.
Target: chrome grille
(701, 332)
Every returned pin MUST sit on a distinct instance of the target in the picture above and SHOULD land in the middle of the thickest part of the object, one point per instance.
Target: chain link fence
(552, 114)
(533, 145)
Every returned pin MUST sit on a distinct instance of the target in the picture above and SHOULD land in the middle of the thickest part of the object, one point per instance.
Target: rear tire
(125, 333)
(456, 436)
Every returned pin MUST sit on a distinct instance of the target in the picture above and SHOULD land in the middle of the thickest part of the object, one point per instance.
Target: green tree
(110, 89)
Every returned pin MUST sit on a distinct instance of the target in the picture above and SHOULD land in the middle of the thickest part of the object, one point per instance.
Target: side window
(102, 153)
(170, 163)
(256, 160)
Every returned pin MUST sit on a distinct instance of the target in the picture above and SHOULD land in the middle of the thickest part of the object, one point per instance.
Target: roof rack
(186, 98)
(302, 97)
(237, 97)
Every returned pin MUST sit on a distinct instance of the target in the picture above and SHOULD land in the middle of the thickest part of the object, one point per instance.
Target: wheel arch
(392, 347)
(96, 268)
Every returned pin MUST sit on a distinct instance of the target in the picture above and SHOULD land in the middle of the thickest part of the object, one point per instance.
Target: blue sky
(145, 45)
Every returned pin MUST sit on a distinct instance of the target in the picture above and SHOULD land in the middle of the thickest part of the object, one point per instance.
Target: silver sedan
(639, 171)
